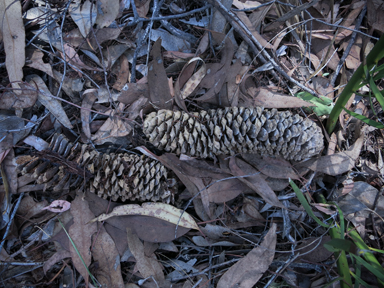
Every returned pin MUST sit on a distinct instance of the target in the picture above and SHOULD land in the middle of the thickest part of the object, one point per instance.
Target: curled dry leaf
(89, 97)
(58, 206)
(194, 81)
(36, 142)
(113, 127)
(161, 211)
(36, 61)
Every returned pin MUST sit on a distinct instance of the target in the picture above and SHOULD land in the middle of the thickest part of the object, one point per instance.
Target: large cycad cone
(234, 130)
(126, 176)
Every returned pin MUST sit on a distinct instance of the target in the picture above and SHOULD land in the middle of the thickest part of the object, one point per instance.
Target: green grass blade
(365, 119)
(376, 92)
(305, 204)
(373, 57)
(379, 274)
(78, 253)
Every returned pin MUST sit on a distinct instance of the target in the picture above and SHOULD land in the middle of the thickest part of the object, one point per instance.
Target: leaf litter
(94, 71)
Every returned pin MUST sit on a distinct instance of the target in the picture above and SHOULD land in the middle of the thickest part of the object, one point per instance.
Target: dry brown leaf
(337, 163)
(246, 4)
(220, 74)
(123, 74)
(142, 7)
(57, 257)
(147, 228)
(147, 266)
(70, 85)
(89, 97)
(318, 253)
(12, 28)
(36, 61)
(81, 232)
(243, 17)
(177, 55)
(83, 16)
(256, 182)
(46, 98)
(73, 58)
(375, 15)
(200, 177)
(105, 253)
(159, 93)
(272, 167)
(29, 208)
(107, 11)
(58, 206)
(161, 211)
(133, 92)
(9, 167)
(12, 100)
(267, 98)
(195, 79)
(113, 127)
(75, 39)
(249, 269)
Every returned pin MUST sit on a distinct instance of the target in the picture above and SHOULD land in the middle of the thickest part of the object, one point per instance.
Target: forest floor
(152, 106)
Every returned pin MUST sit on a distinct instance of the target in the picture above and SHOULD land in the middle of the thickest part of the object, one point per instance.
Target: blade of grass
(342, 262)
(365, 119)
(352, 233)
(371, 268)
(305, 204)
(376, 92)
(373, 57)
(78, 253)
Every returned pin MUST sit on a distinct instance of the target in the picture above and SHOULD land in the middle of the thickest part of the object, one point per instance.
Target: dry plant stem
(297, 10)
(140, 42)
(63, 50)
(350, 44)
(254, 44)
(11, 220)
(137, 19)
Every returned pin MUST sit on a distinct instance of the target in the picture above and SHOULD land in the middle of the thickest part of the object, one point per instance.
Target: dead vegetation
(138, 101)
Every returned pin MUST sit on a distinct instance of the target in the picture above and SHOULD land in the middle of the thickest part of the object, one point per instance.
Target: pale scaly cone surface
(234, 130)
(130, 177)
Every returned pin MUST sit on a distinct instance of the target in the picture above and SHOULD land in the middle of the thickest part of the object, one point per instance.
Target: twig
(252, 42)
(143, 38)
(350, 44)
(181, 34)
(62, 48)
(11, 220)
(138, 19)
